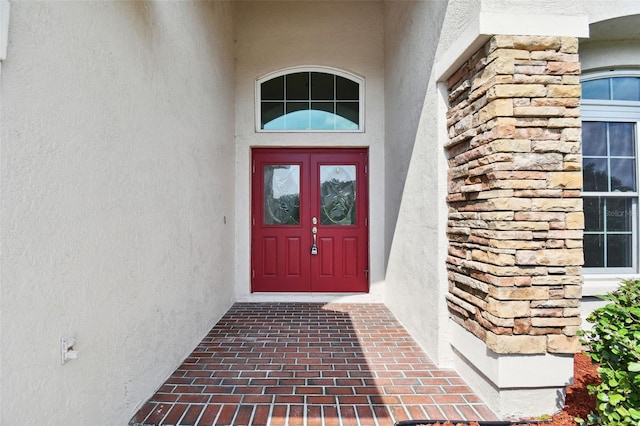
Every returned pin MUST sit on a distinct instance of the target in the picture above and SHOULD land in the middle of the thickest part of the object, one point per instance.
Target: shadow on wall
(410, 50)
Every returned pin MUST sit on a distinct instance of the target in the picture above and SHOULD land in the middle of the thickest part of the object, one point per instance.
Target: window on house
(610, 136)
(309, 100)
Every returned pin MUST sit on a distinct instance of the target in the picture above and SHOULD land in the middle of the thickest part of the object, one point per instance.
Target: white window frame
(327, 70)
(616, 111)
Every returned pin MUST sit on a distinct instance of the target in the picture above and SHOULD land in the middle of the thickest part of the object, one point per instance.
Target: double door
(309, 220)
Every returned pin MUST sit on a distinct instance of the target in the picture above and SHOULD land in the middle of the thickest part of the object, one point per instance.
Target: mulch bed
(578, 402)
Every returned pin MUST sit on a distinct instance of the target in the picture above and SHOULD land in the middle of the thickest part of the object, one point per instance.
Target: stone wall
(515, 209)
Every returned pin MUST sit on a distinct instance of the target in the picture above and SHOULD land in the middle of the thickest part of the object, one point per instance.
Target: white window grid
(619, 112)
(321, 69)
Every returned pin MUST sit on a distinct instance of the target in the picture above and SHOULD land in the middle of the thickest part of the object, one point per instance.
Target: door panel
(270, 245)
(326, 257)
(349, 248)
(294, 256)
(302, 197)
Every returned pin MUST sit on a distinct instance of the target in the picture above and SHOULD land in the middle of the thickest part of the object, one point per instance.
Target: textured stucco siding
(117, 174)
(415, 33)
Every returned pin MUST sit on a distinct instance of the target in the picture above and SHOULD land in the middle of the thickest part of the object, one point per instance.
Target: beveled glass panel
(596, 89)
(623, 174)
(322, 86)
(281, 194)
(272, 90)
(594, 251)
(595, 174)
(621, 139)
(297, 86)
(594, 214)
(625, 89)
(619, 251)
(338, 195)
(594, 138)
(347, 90)
(618, 214)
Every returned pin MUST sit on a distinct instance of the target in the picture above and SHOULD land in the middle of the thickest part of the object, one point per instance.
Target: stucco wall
(276, 35)
(596, 10)
(613, 44)
(415, 32)
(117, 175)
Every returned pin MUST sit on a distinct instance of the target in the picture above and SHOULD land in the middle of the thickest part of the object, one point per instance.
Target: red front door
(309, 220)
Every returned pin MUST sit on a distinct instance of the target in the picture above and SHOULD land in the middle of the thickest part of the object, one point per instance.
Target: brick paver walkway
(303, 364)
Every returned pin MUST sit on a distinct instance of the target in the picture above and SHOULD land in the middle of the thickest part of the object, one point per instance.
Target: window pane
(595, 175)
(621, 139)
(297, 106)
(286, 102)
(322, 116)
(273, 90)
(338, 195)
(626, 88)
(322, 86)
(594, 138)
(623, 175)
(596, 89)
(346, 89)
(593, 251)
(323, 106)
(270, 112)
(618, 215)
(349, 111)
(619, 251)
(281, 195)
(298, 86)
(593, 214)
(297, 117)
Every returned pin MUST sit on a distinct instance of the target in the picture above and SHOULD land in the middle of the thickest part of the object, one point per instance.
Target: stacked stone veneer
(515, 210)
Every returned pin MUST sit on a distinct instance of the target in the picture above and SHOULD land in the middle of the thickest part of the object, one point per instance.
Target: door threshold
(277, 297)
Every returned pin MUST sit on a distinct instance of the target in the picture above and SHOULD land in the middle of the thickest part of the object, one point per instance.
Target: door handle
(314, 232)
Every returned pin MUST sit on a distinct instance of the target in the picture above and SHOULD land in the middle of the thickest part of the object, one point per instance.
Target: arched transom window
(309, 99)
(610, 167)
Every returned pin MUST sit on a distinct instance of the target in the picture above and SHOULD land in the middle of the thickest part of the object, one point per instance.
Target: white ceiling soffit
(488, 24)
(623, 28)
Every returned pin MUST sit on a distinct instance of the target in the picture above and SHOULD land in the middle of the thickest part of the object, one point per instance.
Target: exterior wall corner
(515, 220)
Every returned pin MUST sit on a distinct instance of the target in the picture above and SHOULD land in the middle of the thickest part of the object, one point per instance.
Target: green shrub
(614, 343)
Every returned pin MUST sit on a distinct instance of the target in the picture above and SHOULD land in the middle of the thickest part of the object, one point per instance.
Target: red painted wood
(281, 257)
(294, 257)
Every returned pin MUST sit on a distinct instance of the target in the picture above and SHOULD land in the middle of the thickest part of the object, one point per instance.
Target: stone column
(515, 209)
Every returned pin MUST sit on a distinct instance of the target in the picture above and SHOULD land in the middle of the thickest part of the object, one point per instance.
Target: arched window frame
(341, 73)
(603, 110)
